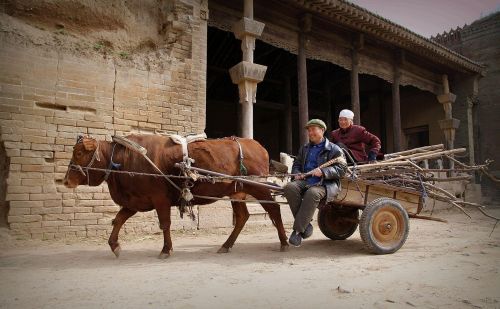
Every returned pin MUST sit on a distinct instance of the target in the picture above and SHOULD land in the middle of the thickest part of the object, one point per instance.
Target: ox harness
(185, 191)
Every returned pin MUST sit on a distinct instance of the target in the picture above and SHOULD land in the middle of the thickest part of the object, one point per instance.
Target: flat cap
(316, 122)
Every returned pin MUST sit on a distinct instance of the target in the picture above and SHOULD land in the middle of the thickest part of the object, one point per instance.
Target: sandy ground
(454, 265)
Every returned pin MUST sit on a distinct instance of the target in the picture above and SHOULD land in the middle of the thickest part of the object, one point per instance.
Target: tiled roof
(363, 20)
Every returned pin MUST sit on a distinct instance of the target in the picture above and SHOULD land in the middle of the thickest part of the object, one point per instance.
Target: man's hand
(299, 177)
(317, 172)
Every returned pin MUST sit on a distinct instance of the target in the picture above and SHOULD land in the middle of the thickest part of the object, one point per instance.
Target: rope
(237, 200)
(424, 191)
(208, 178)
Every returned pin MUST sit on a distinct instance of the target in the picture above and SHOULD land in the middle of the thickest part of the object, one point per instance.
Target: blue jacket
(331, 174)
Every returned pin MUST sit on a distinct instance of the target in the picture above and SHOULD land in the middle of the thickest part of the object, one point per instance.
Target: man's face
(315, 134)
(344, 123)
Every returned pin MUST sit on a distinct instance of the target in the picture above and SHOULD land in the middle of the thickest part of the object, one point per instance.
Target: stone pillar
(396, 111)
(305, 27)
(355, 87)
(471, 102)
(448, 124)
(247, 74)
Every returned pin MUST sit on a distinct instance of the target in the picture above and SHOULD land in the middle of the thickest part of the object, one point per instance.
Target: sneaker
(308, 232)
(295, 239)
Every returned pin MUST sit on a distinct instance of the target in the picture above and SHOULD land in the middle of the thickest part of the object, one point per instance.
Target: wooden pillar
(287, 96)
(470, 129)
(396, 111)
(383, 121)
(355, 87)
(328, 76)
(305, 26)
(328, 105)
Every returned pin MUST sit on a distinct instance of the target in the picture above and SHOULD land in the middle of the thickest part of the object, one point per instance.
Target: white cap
(346, 113)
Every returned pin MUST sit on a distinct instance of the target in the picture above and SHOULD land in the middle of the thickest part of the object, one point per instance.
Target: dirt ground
(454, 265)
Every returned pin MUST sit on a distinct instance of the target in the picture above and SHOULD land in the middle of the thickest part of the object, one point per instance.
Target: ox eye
(79, 153)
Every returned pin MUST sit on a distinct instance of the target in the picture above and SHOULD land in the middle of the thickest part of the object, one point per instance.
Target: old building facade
(479, 41)
(254, 68)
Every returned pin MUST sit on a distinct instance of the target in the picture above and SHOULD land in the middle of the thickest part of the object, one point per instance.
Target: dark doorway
(417, 137)
(328, 92)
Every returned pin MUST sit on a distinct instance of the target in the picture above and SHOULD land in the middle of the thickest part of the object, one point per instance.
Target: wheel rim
(387, 226)
(342, 224)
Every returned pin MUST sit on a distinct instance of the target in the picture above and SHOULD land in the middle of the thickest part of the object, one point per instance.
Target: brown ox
(145, 193)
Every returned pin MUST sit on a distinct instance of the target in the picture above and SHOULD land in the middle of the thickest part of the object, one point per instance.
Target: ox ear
(89, 144)
(79, 138)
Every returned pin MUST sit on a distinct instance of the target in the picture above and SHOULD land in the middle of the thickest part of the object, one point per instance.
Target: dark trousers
(303, 202)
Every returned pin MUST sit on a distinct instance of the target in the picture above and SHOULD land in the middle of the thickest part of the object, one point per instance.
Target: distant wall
(479, 41)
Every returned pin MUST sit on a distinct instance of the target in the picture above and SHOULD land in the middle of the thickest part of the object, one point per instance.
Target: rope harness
(188, 176)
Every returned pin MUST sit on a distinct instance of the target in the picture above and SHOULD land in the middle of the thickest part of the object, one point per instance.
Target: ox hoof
(163, 256)
(223, 250)
(117, 251)
(284, 248)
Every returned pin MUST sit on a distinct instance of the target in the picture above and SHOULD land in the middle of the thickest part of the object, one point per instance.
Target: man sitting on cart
(362, 145)
(312, 181)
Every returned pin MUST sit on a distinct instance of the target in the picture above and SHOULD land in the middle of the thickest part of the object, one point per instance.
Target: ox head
(85, 154)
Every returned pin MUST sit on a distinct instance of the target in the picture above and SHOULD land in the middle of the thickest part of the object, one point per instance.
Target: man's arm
(373, 143)
(337, 170)
(297, 163)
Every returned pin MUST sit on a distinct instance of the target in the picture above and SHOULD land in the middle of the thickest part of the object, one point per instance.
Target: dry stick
(414, 165)
(413, 155)
(451, 198)
(490, 176)
(438, 154)
(457, 162)
(426, 156)
(483, 168)
(414, 150)
(412, 215)
(468, 177)
(454, 201)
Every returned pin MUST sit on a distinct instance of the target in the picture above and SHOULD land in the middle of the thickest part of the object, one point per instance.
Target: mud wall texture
(93, 67)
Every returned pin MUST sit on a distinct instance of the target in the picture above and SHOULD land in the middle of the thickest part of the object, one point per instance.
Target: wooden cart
(384, 221)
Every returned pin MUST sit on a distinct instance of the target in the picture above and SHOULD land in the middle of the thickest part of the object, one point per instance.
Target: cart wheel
(336, 222)
(384, 226)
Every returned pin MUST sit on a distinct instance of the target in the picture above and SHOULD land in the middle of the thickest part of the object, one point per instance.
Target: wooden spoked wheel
(384, 226)
(336, 222)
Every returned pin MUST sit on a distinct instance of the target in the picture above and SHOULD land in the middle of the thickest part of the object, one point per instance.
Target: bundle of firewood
(410, 169)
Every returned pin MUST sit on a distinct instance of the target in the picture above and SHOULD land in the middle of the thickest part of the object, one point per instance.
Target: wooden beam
(396, 110)
(287, 98)
(305, 26)
(355, 105)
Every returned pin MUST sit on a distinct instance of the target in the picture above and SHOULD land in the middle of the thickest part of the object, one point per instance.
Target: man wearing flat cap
(361, 144)
(306, 191)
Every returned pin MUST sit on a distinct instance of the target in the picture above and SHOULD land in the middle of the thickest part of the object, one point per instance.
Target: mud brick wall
(479, 41)
(58, 79)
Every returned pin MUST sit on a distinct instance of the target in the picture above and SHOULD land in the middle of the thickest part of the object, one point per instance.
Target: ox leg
(163, 211)
(241, 216)
(119, 220)
(274, 211)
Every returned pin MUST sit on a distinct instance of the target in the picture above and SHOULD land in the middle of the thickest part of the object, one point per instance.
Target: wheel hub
(385, 225)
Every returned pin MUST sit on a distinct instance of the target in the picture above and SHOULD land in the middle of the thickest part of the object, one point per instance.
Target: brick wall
(479, 41)
(49, 94)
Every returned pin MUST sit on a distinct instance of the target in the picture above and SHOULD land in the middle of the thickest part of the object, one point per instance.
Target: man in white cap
(363, 145)
(305, 192)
